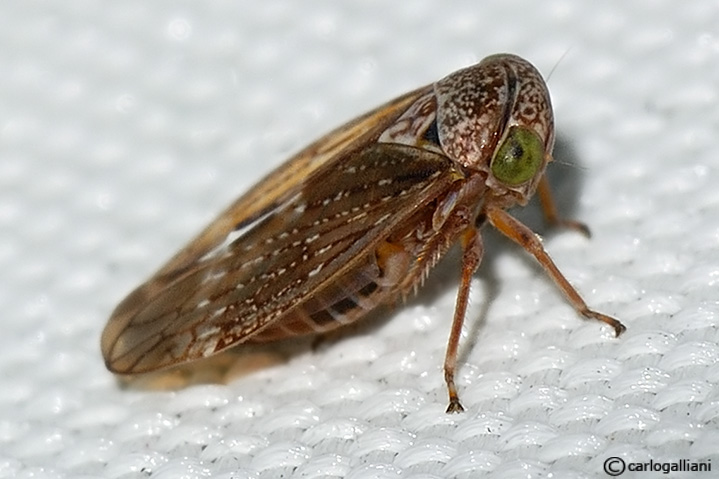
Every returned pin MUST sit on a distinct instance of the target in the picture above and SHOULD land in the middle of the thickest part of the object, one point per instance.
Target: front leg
(472, 251)
(526, 238)
(457, 226)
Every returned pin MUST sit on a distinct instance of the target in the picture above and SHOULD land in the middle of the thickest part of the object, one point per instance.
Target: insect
(355, 220)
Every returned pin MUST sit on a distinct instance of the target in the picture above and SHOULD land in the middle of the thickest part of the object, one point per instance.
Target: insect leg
(472, 250)
(549, 208)
(524, 237)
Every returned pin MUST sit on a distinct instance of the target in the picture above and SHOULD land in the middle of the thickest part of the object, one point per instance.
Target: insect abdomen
(341, 302)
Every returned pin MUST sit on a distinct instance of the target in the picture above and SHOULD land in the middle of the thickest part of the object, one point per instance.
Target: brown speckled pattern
(476, 105)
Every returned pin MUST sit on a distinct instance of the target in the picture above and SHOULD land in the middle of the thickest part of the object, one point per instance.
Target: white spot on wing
(235, 235)
(214, 276)
(316, 270)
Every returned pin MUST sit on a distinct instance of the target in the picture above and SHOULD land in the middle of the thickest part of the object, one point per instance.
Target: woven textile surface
(127, 126)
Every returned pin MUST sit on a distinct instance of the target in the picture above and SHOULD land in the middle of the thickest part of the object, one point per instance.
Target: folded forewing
(257, 273)
(288, 178)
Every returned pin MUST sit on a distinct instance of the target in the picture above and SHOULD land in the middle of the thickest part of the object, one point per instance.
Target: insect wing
(267, 195)
(279, 261)
(284, 182)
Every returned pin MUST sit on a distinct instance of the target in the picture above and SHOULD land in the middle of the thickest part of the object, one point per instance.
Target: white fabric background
(126, 126)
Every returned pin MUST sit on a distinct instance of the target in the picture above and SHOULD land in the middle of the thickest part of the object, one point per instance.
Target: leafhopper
(355, 220)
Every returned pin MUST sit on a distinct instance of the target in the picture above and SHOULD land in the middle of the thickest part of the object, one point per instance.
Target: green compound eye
(519, 157)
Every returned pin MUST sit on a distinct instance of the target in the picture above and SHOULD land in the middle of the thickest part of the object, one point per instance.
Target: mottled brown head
(496, 117)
